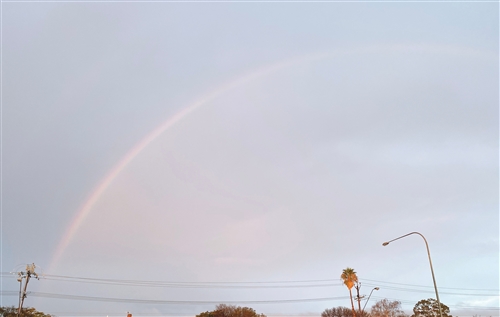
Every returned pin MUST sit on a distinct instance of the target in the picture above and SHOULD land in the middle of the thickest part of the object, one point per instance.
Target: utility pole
(30, 271)
(20, 280)
(358, 298)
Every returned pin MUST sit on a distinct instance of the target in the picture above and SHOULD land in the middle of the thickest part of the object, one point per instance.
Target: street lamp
(375, 288)
(430, 262)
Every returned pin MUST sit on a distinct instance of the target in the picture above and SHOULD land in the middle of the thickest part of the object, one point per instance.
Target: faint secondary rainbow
(115, 171)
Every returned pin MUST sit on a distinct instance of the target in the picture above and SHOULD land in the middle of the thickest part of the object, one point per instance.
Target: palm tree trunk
(352, 303)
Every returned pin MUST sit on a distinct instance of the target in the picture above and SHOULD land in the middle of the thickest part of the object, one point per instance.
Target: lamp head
(377, 288)
(385, 243)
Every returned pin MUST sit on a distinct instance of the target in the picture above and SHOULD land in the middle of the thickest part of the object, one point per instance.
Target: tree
(430, 308)
(223, 310)
(349, 277)
(25, 312)
(337, 312)
(387, 308)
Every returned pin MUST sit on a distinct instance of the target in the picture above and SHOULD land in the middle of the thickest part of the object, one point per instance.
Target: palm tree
(349, 277)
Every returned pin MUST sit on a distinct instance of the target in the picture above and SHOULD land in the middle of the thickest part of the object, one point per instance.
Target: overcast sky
(249, 142)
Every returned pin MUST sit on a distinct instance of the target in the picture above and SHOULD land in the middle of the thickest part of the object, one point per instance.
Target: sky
(161, 157)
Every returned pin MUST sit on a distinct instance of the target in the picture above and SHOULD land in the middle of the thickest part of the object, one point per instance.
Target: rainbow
(131, 154)
(259, 73)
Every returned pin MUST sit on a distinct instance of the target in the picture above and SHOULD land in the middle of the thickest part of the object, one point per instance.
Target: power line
(208, 282)
(262, 285)
(177, 302)
(432, 291)
(409, 302)
(465, 289)
(246, 285)
(201, 302)
(187, 284)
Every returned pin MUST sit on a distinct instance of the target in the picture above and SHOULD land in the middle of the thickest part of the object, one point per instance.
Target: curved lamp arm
(375, 288)
(430, 262)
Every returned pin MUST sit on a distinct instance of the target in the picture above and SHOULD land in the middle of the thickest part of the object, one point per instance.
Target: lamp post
(430, 262)
(375, 288)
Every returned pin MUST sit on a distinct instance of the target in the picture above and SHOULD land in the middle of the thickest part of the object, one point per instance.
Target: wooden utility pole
(358, 298)
(30, 271)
